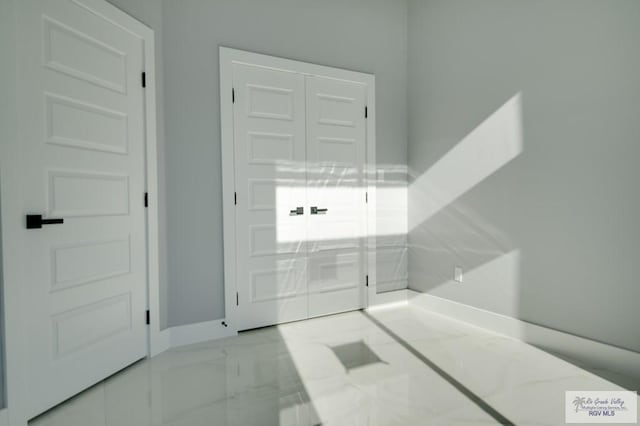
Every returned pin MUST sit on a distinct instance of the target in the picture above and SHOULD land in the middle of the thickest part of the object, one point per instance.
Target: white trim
(392, 303)
(228, 186)
(189, 334)
(390, 297)
(153, 227)
(199, 332)
(590, 352)
(161, 342)
(4, 417)
(371, 178)
(228, 57)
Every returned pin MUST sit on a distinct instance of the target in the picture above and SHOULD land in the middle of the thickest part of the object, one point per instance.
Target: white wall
(363, 35)
(524, 146)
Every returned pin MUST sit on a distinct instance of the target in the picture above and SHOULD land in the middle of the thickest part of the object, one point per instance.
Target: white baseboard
(199, 332)
(589, 352)
(4, 417)
(390, 297)
(189, 334)
(160, 342)
(391, 286)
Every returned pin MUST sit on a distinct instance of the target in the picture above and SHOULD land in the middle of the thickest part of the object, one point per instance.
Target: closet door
(336, 135)
(271, 209)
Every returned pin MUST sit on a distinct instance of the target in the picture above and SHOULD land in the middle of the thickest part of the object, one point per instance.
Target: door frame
(15, 300)
(228, 57)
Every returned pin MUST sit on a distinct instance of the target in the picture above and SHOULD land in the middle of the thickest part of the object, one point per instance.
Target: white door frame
(228, 57)
(15, 301)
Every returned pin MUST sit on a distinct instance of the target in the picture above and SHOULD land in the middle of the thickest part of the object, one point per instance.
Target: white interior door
(336, 135)
(82, 132)
(269, 138)
(300, 213)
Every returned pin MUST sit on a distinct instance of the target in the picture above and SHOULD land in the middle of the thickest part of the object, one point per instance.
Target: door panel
(335, 282)
(269, 135)
(335, 185)
(83, 150)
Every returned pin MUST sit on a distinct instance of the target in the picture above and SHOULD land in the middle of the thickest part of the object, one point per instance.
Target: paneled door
(271, 200)
(300, 206)
(83, 133)
(337, 229)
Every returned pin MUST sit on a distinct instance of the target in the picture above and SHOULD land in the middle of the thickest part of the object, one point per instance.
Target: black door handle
(35, 221)
(315, 210)
(299, 211)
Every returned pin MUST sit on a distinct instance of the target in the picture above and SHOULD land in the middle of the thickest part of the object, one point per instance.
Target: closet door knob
(299, 211)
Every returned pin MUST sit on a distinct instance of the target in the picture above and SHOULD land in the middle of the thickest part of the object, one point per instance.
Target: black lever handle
(35, 221)
(299, 211)
(315, 210)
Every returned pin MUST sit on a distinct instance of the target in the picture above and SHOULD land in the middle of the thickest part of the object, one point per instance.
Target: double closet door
(301, 227)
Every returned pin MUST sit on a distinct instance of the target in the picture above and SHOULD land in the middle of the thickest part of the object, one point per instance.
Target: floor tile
(401, 366)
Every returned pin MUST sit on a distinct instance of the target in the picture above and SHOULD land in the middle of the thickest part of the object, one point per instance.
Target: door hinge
(366, 197)
(233, 95)
(235, 198)
(237, 299)
(148, 317)
(144, 79)
(146, 199)
(366, 280)
(366, 112)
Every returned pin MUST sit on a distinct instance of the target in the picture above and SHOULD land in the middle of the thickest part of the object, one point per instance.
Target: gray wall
(363, 35)
(7, 132)
(540, 204)
(3, 366)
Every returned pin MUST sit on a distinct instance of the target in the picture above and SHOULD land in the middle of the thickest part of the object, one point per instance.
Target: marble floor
(400, 366)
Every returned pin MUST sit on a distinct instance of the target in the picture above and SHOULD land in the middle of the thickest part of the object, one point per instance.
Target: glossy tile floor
(401, 366)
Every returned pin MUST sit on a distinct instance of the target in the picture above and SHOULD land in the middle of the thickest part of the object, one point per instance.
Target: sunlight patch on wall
(489, 147)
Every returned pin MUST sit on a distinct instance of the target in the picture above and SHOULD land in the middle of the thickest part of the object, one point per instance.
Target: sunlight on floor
(398, 366)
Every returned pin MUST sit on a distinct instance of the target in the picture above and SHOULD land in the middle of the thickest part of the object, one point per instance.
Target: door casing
(16, 303)
(228, 57)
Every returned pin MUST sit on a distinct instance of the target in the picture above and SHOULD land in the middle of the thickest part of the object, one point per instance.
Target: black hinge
(144, 79)
(366, 280)
(146, 199)
(237, 299)
(366, 112)
(366, 197)
(148, 317)
(233, 95)
(235, 198)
